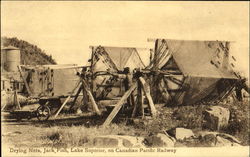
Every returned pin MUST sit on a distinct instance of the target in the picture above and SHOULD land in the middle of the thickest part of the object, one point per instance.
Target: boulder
(131, 141)
(106, 142)
(229, 137)
(210, 139)
(220, 141)
(159, 140)
(111, 141)
(181, 133)
(216, 118)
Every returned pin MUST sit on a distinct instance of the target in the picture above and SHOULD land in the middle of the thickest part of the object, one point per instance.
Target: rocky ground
(183, 126)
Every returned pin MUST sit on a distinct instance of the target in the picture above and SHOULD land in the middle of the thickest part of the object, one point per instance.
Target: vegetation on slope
(30, 53)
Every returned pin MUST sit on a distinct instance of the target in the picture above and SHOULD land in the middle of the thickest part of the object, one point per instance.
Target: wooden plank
(77, 94)
(85, 97)
(4, 106)
(91, 97)
(25, 82)
(17, 101)
(141, 102)
(64, 103)
(146, 90)
(119, 105)
(139, 105)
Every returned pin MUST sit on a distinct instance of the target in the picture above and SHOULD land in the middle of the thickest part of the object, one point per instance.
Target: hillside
(30, 53)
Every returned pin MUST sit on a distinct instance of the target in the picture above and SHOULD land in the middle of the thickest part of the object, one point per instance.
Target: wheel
(43, 113)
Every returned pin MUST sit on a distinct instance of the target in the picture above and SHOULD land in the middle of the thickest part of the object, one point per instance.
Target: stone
(229, 137)
(217, 139)
(208, 140)
(220, 141)
(216, 118)
(159, 140)
(111, 141)
(105, 142)
(131, 141)
(182, 133)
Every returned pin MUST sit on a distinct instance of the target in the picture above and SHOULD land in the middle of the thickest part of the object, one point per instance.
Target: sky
(66, 29)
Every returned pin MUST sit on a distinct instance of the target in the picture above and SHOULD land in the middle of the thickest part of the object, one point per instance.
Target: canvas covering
(197, 58)
(203, 64)
(113, 59)
(51, 81)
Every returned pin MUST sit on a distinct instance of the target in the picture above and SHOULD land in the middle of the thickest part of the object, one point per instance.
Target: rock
(229, 137)
(181, 133)
(208, 140)
(131, 141)
(215, 118)
(159, 140)
(110, 141)
(217, 139)
(104, 142)
(220, 141)
(204, 133)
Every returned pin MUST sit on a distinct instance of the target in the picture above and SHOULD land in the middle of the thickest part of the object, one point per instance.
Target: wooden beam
(4, 106)
(85, 85)
(77, 94)
(119, 105)
(64, 103)
(25, 82)
(138, 107)
(16, 100)
(141, 102)
(146, 90)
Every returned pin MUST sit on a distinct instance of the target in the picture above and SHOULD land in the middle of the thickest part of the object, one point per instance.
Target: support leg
(119, 105)
(148, 96)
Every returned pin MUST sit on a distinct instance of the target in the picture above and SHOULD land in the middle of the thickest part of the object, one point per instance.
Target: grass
(239, 120)
(65, 136)
(171, 117)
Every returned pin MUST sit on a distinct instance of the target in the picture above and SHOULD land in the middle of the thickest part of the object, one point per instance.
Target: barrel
(12, 59)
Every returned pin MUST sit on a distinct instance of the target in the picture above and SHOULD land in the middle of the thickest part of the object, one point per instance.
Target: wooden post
(139, 103)
(148, 96)
(25, 82)
(16, 101)
(64, 103)
(3, 106)
(77, 94)
(119, 105)
(91, 97)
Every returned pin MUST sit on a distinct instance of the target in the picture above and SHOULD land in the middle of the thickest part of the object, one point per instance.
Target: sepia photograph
(125, 78)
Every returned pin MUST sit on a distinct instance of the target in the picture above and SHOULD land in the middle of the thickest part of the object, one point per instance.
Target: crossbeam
(119, 105)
